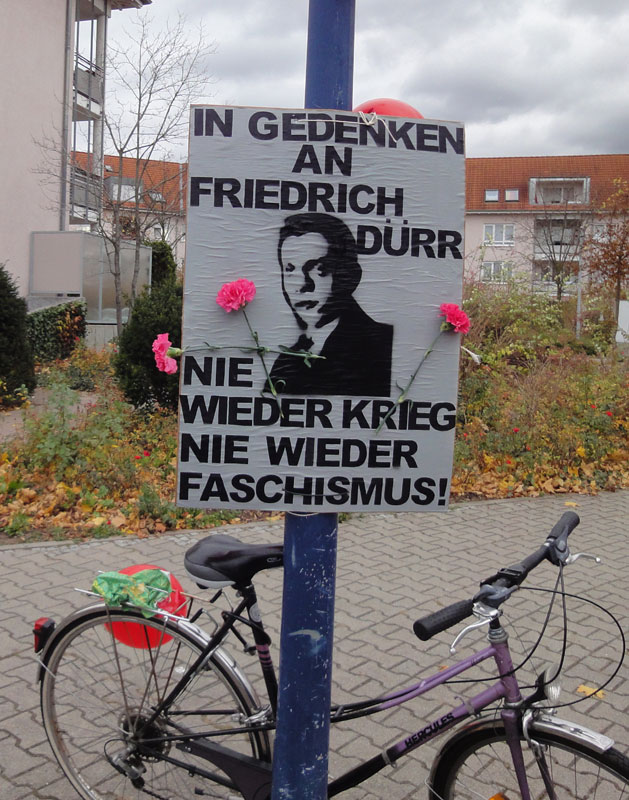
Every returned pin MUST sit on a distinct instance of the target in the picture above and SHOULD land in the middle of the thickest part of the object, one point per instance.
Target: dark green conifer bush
(157, 310)
(17, 375)
(163, 265)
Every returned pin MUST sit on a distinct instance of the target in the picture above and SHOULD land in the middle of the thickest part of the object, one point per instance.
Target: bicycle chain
(154, 794)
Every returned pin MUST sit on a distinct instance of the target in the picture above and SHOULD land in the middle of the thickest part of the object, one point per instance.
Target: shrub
(163, 265)
(512, 323)
(17, 376)
(54, 332)
(157, 310)
(598, 321)
(84, 370)
(544, 411)
(560, 425)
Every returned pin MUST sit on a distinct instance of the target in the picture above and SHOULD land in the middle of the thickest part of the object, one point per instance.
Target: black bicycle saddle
(221, 560)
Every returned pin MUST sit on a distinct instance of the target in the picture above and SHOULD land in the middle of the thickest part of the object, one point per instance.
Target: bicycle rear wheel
(97, 693)
(478, 765)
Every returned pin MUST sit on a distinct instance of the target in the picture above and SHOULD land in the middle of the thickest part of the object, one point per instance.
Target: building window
(496, 271)
(557, 233)
(542, 272)
(491, 195)
(126, 190)
(512, 194)
(559, 191)
(498, 234)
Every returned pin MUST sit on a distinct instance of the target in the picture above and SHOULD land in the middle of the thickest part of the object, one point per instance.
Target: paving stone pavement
(391, 569)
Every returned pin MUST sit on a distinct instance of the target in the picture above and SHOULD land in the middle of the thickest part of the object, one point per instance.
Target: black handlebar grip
(428, 626)
(558, 538)
(568, 522)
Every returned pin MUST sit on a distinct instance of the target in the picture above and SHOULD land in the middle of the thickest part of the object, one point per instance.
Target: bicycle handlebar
(426, 627)
(555, 549)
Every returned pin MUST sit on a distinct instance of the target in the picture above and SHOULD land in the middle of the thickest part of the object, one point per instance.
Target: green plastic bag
(144, 590)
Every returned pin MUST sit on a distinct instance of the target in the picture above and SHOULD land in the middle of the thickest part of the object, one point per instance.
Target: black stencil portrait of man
(320, 272)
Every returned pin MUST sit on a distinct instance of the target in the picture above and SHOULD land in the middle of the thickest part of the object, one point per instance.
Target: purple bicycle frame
(505, 687)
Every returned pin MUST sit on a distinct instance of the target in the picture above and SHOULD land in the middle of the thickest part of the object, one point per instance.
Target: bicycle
(173, 716)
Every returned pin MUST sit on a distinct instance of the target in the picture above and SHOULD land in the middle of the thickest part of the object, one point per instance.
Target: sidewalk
(391, 569)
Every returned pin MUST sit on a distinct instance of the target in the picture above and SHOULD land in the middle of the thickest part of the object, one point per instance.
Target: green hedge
(54, 332)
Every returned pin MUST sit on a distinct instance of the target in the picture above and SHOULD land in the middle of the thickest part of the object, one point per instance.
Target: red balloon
(389, 108)
(134, 634)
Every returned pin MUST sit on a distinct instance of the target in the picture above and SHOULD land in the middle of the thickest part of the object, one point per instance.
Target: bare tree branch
(153, 77)
(556, 233)
(607, 247)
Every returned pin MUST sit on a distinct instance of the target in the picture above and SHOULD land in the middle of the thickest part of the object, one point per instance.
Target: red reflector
(42, 630)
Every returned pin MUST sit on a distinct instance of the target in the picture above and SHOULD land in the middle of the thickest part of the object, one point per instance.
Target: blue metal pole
(330, 59)
(300, 761)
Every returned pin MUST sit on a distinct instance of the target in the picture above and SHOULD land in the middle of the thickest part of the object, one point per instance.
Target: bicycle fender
(569, 731)
(95, 609)
(186, 627)
(62, 628)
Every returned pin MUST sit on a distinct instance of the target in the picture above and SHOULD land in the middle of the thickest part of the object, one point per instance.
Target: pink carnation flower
(161, 345)
(235, 295)
(456, 318)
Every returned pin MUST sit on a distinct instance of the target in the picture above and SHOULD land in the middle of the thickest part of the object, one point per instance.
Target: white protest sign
(352, 235)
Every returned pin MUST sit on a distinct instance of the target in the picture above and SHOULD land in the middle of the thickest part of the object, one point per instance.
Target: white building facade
(52, 60)
(527, 217)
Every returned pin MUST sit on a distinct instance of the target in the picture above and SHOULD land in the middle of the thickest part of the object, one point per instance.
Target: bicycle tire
(478, 765)
(95, 690)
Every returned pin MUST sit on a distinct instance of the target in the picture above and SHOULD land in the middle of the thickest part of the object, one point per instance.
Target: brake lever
(572, 558)
(486, 614)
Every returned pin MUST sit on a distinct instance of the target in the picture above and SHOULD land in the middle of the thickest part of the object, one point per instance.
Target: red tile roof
(514, 173)
(170, 178)
(167, 177)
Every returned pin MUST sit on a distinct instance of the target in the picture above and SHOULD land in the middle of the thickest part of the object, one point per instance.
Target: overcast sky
(527, 77)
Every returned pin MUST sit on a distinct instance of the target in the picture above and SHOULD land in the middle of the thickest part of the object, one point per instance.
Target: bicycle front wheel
(478, 766)
(105, 673)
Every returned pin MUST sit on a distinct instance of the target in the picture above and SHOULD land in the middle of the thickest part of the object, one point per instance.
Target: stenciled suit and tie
(355, 360)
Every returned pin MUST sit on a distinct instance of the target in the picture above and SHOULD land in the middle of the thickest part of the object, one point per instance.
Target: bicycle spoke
(484, 770)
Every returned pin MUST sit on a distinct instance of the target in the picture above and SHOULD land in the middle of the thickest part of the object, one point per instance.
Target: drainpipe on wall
(99, 155)
(68, 79)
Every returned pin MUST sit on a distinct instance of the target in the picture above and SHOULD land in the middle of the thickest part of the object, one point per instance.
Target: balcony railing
(85, 196)
(557, 252)
(88, 86)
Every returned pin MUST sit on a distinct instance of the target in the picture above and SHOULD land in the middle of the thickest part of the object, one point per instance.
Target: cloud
(542, 77)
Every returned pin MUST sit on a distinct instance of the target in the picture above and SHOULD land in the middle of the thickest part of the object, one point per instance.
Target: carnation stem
(405, 390)
(261, 351)
(206, 346)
